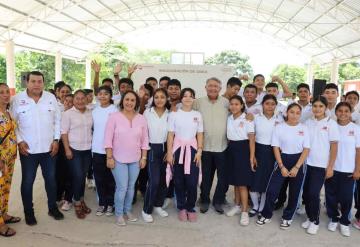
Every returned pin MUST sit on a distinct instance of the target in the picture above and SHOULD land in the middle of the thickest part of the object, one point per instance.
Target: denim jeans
(125, 177)
(29, 165)
(79, 166)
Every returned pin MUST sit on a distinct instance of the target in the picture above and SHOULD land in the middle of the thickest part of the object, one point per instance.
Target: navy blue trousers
(156, 187)
(314, 180)
(339, 190)
(275, 184)
(185, 184)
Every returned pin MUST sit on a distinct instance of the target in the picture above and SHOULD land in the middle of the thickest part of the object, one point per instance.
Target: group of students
(166, 142)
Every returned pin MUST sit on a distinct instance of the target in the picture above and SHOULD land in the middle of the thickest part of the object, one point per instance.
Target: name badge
(351, 133)
(301, 133)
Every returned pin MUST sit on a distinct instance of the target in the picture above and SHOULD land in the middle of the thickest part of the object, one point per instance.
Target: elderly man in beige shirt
(214, 109)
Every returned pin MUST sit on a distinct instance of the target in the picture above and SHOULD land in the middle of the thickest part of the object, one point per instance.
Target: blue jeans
(29, 165)
(125, 177)
(79, 166)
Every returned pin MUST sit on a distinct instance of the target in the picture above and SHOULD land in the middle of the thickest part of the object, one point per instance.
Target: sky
(264, 51)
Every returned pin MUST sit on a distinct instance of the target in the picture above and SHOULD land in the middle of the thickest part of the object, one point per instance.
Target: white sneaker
(306, 224)
(285, 224)
(66, 206)
(91, 183)
(120, 221)
(332, 226)
(233, 211)
(244, 219)
(109, 211)
(301, 210)
(345, 230)
(100, 211)
(161, 212)
(147, 217)
(130, 217)
(262, 221)
(313, 228)
(167, 202)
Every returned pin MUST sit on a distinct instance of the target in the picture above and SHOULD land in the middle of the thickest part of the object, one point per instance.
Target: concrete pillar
(309, 73)
(88, 73)
(10, 65)
(58, 67)
(334, 76)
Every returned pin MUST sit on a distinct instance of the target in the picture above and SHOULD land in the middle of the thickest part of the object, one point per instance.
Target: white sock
(262, 201)
(255, 199)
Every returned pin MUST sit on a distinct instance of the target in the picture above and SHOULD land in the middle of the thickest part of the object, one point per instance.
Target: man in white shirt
(38, 131)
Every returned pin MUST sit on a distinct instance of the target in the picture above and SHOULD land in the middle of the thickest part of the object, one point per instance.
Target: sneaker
(285, 224)
(313, 228)
(161, 212)
(345, 230)
(301, 210)
(100, 211)
(120, 221)
(306, 224)
(91, 184)
(66, 206)
(218, 208)
(192, 216)
(167, 202)
(332, 226)
(244, 219)
(147, 217)
(253, 212)
(130, 217)
(110, 211)
(262, 221)
(182, 215)
(56, 214)
(356, 224)
(233, 211)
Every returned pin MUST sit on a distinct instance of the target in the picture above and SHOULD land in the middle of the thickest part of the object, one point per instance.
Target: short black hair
(239, 98)
(269, 97)
(107, 79)
(69, 95)
(352, 92)
(250, 86)
(79, 91)
(65, 85)
(346, 104)
(88, 91)
(187, 89)
(164, 78)
(38, 73)
(271, 84)
(127, 81)
(234, 81)
(137, 104)
(303, 85)
(258, 75)
(57, 85)
(331, 86)
(150, 79)
(150, 89)
(174, 82)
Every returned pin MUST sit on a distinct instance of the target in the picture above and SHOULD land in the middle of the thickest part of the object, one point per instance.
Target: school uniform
(240, 173)
(291, 140)
(156, 166)
(322, 133)
(263, 151)
(254, 109)
(185, 126)
(355, 118)
(339, 188)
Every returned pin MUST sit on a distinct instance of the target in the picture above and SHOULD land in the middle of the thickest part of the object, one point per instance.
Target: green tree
(151, 56)
(2, 68)
(233, 58)
(349, 71)
(291, 74)
(73, 73)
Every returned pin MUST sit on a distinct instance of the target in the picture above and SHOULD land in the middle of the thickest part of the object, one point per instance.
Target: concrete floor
(210, 230)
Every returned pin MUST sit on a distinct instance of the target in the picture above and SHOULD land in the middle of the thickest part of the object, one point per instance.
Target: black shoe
(218, 208)
(56, 214)
(30, 219)
(204, 207)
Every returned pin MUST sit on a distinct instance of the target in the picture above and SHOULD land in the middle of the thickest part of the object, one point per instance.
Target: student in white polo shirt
(273, 89)
(38, 131)
(252, 105)
(324, 137)
(265, 159)
(352, 97)
(339, 188)
(291, 144)
(331, 93)
(157, 121)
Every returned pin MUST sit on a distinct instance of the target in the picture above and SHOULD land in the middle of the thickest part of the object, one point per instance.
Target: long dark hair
(162, 90)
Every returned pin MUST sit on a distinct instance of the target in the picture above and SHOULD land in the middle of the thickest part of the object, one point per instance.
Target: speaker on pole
(318, 87)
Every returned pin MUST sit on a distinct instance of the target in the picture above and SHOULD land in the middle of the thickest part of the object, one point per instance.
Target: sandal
(79, 211)
(85, 208)
(8, 233)
(12, 220)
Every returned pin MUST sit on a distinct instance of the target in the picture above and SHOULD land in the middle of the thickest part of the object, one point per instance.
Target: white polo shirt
(321, 134)
(100, 116)
(38, 124)
(255, 109)
(331, 113)
(291, 139)
(185, 125)
(264, 128)
(239, 128)
(348, 143)
(260, 96)
(280, 110)
(355, 117)
(157, 126)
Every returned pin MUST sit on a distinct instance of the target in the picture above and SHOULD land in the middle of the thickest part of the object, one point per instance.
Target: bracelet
(143, 158)
(109, 158)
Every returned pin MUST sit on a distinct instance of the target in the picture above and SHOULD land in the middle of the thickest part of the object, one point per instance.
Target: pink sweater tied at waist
(185, 149)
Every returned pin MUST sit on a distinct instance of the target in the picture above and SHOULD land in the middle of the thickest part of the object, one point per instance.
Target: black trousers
(63, 176)
(211, 162)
